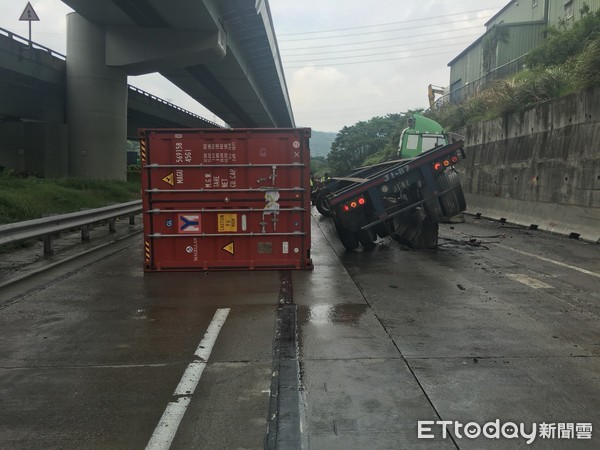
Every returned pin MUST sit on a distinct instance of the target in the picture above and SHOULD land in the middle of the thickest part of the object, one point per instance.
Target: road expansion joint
(286, 406)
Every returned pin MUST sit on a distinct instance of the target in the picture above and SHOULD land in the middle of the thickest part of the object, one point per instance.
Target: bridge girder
(223, 53)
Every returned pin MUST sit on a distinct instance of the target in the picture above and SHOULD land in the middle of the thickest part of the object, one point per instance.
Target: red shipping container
(226, 199)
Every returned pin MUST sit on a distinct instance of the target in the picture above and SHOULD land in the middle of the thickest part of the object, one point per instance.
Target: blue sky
(344, 60)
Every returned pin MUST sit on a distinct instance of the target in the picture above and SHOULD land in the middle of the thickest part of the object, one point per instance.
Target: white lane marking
(528, 281)
(558, 263)
(164, 432)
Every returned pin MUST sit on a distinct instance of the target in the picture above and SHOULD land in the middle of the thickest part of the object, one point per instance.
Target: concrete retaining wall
(539, 167)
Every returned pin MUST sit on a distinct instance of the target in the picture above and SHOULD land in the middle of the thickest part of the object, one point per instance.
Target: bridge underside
(34, 133)
(222, 53)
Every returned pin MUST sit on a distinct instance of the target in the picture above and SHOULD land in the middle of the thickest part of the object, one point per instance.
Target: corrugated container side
(226, 199)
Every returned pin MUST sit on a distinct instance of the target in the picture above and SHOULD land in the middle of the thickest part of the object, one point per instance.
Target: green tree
(355, 144)
(318, 166)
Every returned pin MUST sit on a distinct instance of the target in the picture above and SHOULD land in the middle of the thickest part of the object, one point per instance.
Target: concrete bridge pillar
(96, 105)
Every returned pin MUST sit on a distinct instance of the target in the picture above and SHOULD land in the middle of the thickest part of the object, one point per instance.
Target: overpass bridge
(224, 54)
(33, 130)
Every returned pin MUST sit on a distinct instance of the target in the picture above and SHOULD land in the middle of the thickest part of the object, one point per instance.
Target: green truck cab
(422, 134)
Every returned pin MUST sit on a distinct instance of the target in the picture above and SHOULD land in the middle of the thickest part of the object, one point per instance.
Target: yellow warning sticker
(143, 150)
(147, 247)
(229, 248)
(169, 179)
(228, 223)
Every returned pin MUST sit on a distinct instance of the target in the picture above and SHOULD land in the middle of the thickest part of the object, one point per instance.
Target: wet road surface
(499, 323)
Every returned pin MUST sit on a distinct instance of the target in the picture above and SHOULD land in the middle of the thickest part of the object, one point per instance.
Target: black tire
(347, 237)
(367, 238)
(452, 202)
(416, 230)
(322, 203)
(454, 182)
(427, 236)
(432, 207)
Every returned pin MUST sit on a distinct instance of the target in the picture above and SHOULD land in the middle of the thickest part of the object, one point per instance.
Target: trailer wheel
(428, 235)
(416, 230)
(322, 203)
(452, 202)
(432, 207)
(367, 238)
(454, 182)
(347, 237)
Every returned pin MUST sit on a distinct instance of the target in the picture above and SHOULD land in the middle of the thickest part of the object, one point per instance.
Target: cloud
(324, 94)
(309, 84)
(329, 85)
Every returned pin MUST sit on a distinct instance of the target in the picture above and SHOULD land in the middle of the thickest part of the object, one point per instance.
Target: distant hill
(320, 142)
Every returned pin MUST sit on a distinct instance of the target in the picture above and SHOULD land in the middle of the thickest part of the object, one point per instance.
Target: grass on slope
(24, 198)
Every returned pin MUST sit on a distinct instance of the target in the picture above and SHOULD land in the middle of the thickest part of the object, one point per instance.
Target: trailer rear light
(442, 164)
(360, 201)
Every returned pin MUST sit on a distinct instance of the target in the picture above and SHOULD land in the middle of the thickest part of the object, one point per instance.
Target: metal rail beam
(48, 226)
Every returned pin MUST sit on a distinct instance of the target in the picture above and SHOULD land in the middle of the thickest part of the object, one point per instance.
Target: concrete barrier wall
(34, 147)
(541, 166)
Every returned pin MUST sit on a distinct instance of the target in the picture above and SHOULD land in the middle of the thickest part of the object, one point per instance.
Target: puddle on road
(325, 314)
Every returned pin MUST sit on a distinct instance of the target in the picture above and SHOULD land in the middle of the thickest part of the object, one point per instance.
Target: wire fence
(462, 93)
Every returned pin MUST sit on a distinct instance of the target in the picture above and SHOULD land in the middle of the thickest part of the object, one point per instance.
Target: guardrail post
(47, 227)
(48, 244)
(131, 219)
(85, 233)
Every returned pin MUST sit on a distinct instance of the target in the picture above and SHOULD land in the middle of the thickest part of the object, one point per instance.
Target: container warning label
(189, 223)
(169, 179)
(227, 223)
(229, 248)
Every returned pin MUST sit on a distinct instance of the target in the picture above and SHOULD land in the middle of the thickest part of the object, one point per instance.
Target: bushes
(23, 198)
(563, 42)
(524, 89)
(587, 65)
(568, 61)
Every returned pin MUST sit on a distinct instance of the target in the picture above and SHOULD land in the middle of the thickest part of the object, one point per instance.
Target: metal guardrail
(25, 41)
(167, 103)
(463, 92)
(48, 226)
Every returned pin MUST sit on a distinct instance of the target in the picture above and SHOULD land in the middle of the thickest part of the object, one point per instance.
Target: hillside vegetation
(567, 62)
(320, 143)
(24, 198)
